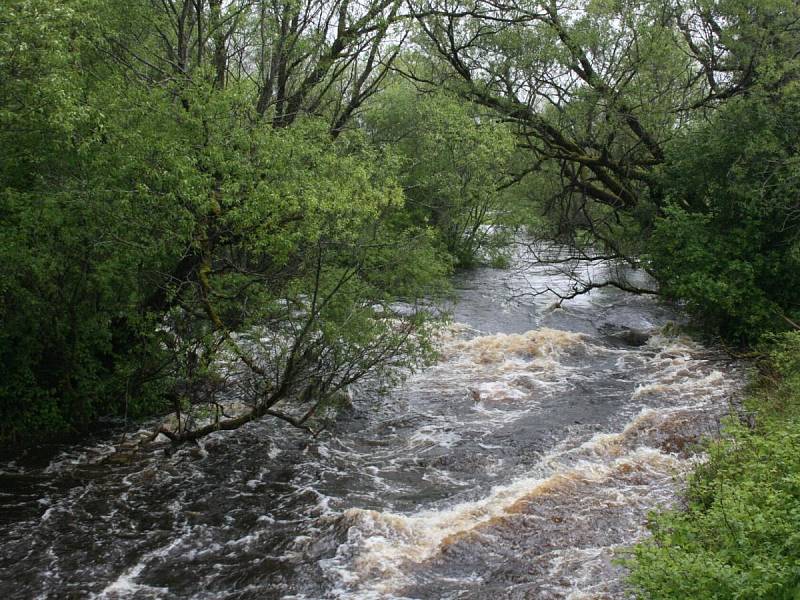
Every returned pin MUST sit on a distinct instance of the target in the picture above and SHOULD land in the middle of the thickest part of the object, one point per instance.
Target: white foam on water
(499, 391)
(677, 385)
(381, 545)
(539, 346)
(375, 560)
(434, 435)
(126, 586)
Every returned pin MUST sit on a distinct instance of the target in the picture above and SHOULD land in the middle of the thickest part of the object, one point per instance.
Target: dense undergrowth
(738, 535)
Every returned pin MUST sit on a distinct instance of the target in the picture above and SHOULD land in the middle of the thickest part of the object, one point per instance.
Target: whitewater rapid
(521, 464)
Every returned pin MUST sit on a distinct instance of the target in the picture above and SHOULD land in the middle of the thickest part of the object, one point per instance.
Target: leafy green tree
(78, 228)
(162, 238)
(455, 166)
(598, 90)
(730, 244)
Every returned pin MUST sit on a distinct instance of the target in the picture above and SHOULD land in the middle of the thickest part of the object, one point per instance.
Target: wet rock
(628, 335)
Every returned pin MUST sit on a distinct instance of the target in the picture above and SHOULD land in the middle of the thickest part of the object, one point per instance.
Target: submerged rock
(628, 335)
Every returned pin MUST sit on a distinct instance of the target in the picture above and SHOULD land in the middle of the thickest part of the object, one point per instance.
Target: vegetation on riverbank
(738, 533)
(728, 247)
(201, 201)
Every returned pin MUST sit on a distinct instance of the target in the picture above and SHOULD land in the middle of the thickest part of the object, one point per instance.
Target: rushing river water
(515, 467)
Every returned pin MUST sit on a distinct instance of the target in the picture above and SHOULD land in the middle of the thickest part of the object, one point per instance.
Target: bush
(729, 245)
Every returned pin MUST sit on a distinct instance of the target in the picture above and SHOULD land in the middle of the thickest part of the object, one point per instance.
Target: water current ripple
(512, 468)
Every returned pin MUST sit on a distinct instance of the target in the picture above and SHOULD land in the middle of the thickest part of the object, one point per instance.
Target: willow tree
(597, 90)
(197, 235)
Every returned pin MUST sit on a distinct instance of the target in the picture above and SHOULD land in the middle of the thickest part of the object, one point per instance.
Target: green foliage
(739, 536)
(75, 227)
(730, 244)
(146, 218)
(453, 163)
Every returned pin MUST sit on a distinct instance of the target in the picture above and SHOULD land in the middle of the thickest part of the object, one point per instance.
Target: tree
(581, 83)
(455, 166)
(597, 91)
(311, 57)
(78, 228)
(171, 234)
(292, 298)
(730, 243)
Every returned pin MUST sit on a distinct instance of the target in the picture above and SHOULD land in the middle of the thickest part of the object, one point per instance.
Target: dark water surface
(512, 468)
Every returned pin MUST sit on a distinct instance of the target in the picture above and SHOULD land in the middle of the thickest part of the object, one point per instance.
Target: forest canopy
(262, 200)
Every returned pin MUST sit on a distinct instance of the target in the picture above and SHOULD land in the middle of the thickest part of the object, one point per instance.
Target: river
(516, 467)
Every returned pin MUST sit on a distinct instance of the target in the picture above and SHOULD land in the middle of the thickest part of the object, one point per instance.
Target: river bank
(736, 533)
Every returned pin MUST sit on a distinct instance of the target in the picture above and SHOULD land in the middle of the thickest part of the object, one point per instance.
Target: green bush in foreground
(739, 535)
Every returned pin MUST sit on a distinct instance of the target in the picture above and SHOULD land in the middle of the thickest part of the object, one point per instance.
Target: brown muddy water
(515, 467)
